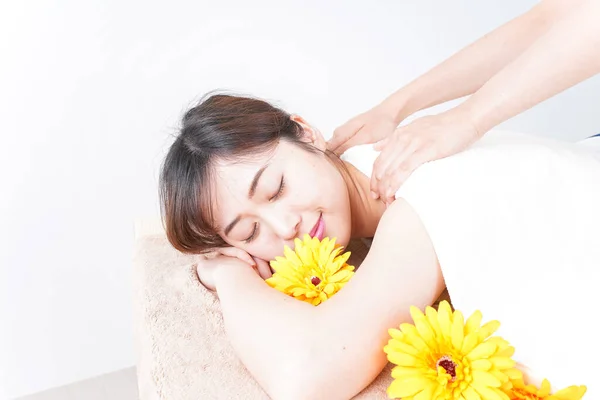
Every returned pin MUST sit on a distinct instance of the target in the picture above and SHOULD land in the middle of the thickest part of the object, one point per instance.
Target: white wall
(89, 93)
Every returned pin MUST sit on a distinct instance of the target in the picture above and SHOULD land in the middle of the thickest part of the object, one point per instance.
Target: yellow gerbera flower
(442, 357)
(530, 392)
(313, 272)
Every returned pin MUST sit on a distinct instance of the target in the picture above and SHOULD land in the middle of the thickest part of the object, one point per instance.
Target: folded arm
(298, 351)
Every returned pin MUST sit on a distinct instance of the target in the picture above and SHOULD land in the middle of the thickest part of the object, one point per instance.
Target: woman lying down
(510, 226)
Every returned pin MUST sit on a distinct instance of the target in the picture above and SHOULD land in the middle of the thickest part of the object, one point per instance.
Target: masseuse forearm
(267, 329)
(566, 55)
(469, 69)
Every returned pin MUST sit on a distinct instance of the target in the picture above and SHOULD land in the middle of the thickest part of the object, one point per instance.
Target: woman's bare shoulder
(400, 225)
(401, 252)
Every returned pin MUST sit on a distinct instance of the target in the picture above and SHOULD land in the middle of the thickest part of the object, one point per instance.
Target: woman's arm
(298, 351)
(566, 55)
(469, 69)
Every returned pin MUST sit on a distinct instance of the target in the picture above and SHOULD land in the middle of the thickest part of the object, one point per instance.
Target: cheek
(343, 228)
(265, 249)
(324, 184)
(340, 204)
(332, 196)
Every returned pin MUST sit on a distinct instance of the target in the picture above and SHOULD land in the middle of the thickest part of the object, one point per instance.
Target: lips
(318, 230)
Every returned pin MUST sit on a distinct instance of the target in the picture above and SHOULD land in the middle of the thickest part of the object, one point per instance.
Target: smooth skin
(293, 349)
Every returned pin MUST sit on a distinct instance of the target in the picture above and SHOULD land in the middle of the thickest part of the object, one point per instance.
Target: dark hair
(219, 127)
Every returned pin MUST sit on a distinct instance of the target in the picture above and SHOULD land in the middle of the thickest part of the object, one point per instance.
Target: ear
(311, 135)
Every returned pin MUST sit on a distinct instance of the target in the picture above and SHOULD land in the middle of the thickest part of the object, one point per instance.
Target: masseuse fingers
(388, 199)
(361, 136)
(403, 165)
(385, 174)
(343, 134)
(392, 155)
(410, 164)
(400, 136)
(379, 167)
(393, 183)
(364, 129)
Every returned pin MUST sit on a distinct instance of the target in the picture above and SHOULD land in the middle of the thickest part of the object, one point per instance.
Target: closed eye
(253, 235)
(272, 198)
(280, 191)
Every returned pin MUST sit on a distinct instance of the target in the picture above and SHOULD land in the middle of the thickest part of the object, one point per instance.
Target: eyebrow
(251, 192)
(254, 183)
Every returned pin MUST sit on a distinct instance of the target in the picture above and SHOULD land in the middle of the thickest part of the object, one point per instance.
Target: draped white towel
(515, 223)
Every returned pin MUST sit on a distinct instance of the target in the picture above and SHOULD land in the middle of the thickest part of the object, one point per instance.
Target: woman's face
(266, 202)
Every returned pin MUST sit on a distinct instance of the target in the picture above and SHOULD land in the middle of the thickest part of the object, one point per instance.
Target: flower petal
(483, 350)
(398, 346)
(481, 364)
(488, 393)
(470, 394)
(570, 393)
(445, 319)
(432, 317)
(404, 360)
(488, 329)
(470, 342)
(502, 362)
(410, 386)
(427, 393)
(422, 325)
(404, 372)
(483, 378)
(473, 322)
(457, 330)
(412, 336)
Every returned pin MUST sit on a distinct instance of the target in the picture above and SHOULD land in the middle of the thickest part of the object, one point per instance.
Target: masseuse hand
(425, 139)
(368, 127)
(228, 257)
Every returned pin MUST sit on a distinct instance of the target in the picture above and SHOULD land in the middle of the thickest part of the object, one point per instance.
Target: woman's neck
(365, 211)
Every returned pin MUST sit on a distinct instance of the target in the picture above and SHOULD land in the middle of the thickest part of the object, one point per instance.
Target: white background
(90, 92)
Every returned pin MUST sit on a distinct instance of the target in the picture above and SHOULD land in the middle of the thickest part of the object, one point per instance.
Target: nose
(285, 224)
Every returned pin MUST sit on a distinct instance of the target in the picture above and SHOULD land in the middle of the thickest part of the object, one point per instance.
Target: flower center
(449, 365)
(315, 280)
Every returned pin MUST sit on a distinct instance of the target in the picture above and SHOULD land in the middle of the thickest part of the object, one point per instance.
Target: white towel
(515, 223)
(592, 144)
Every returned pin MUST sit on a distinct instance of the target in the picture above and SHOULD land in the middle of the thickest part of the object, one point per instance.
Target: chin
(342, 239)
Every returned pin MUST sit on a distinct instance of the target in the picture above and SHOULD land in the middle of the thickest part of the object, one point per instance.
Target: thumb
(360, 137)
